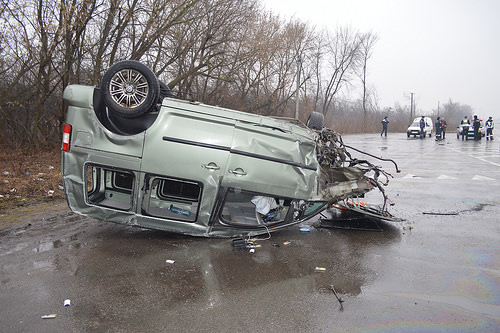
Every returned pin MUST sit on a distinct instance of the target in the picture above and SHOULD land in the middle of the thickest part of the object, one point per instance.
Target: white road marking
(446, 177)
(441, 177)
(474, 156)
(478, 177)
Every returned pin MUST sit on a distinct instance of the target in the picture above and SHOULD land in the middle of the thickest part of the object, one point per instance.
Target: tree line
(231, 53)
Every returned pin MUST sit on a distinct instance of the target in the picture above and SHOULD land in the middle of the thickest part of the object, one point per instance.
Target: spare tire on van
(130, 89)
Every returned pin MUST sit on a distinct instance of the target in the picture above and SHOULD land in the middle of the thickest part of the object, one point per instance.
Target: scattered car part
(315, 120)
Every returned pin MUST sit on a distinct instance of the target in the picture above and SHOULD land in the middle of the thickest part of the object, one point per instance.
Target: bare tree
(225, 52)
(342, 53)
(367, 42)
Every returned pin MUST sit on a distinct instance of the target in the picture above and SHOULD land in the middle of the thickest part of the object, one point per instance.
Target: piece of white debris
(49, 316)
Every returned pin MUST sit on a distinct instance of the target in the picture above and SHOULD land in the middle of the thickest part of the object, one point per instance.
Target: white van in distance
(414, 128)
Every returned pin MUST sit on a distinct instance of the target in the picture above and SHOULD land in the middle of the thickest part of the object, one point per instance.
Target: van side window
(245, 208)
(109, 187)
(172, 198)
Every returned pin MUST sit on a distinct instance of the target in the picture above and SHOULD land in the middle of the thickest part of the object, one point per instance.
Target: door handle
(211, 166)
(238, 172)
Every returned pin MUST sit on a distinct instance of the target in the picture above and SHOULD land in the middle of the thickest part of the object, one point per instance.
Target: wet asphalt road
(439, 271)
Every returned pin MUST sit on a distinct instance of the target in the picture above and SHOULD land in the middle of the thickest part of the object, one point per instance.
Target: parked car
(470, 132)
(414, 128)
(135, 154)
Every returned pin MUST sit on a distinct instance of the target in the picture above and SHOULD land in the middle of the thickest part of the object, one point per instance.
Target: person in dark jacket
(422, 127)
(438, 128)
(443, 128)
(385, 122)
(476, 123)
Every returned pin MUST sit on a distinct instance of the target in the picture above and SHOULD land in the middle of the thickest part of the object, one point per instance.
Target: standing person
(489, 129)
(476, 123)
(422, 127)
(438, 128)
(385, 122)
(443, 128)
(465, 127)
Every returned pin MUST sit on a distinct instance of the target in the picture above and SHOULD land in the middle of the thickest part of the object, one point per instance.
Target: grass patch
(29, 178)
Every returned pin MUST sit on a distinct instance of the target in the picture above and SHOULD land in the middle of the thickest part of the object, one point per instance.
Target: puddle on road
(476, 208)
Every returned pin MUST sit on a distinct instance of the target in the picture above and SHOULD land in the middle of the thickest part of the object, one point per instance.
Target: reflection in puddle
(456, 313)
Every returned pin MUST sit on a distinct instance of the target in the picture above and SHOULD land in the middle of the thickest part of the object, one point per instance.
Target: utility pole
(411, 108)
(297, 90)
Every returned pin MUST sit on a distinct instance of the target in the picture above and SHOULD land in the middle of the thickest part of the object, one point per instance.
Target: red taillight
(66, 137)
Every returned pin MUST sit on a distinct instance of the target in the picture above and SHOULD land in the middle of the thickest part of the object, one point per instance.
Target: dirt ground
(27, 178)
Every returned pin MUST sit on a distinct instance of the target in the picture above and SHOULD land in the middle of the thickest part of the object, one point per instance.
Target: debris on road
(437, 213)
(338, 298)
(49, 316)
(304, 228)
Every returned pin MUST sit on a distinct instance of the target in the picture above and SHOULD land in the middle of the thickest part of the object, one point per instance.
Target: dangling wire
(332, 153)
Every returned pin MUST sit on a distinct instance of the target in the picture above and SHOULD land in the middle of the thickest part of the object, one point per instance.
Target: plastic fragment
(60, 187)
(5, 173)
(67, 302)
(49, 316)
(305, 229)
(287, 243)
(239, 242)
(319, 269)
(180, 211)
(169, 261)
(252, 250)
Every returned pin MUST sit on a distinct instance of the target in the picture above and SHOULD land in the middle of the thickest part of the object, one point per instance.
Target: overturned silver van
(135, 154)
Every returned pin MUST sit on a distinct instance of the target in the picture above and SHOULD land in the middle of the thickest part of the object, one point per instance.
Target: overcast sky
(437, 49)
